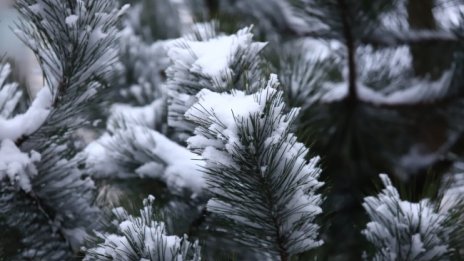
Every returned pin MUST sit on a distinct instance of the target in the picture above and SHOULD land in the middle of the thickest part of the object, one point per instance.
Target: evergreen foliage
(256, 171)
(222, 120)
(200, 63)
(57, 200)
(142, 238)
(402, 230)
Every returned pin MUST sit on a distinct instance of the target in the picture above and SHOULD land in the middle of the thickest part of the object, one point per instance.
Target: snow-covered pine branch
(142, 238)
(137, 141)
(132, 149)
(403, 230)
(203, 60)
(74, 43)
(256, 170)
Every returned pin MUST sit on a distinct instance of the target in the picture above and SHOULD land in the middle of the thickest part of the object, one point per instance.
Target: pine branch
(133, 150)
(27, 216)
(403, 230)
(393, 39)
(142, 238)
(73, 41)
(259, 181)
(75, 67)
(384, 38)
(199, 62)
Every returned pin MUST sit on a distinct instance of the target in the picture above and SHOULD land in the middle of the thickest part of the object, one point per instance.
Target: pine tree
(166, 101)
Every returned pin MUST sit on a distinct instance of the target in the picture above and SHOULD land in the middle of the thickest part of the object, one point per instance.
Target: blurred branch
(389, 38)
(384, 38)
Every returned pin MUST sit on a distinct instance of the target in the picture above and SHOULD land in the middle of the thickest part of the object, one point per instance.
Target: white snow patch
(212, 58)
(418, 91)
(168, 161)
(30, 121)
(17, 166)
(71, 20)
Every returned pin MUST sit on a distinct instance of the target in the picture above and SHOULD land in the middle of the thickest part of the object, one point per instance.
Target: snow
(17, 166)
(175, 165)
(123, 10)
(213, 58)
(71, 20)
(223, 119)
(27, 123)
(98, 159)
(183, 167)
(419, 91)
(143, 115)
(224, 111)
(448, 13)
(142, 238)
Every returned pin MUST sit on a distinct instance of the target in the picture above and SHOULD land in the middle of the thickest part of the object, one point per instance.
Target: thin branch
(385, 38)
(390, 38)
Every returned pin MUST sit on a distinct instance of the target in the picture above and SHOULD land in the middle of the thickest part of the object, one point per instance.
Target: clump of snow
(30, 121)
(225, 107)
(213, 58)
(147, 115)
(17, 166)
(418, 91)
(158, 157)
(403, 230)
(71, 20)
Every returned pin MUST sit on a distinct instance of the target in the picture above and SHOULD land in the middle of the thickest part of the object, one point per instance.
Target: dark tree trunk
(428, 59)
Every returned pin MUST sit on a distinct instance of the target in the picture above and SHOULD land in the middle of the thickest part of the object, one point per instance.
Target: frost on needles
(205, 60)
(45, 199)
(142, 238)
(403, 230)
(260, 182)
